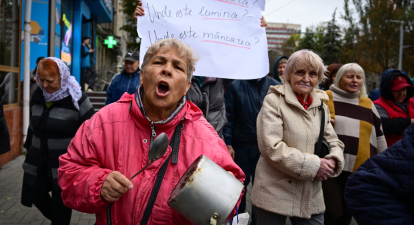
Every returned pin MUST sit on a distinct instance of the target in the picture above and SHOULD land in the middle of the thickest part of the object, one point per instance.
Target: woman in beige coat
(289, 174)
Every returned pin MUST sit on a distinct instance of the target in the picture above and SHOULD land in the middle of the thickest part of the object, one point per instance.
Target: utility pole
(401, 41)
(26, 68)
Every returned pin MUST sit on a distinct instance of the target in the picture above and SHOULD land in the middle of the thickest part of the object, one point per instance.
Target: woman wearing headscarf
(396, 105)
(289, 174)
(57, 110)
(358, 125)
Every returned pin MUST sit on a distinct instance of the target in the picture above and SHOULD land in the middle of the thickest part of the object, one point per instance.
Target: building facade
(279, 33)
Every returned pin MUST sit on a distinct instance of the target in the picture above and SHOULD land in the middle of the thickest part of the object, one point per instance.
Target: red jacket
(393, 113)
(118, 139)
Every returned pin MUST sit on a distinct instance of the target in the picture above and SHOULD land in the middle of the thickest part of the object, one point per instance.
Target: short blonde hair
(352, 67)
(304, 58)
(182, 49)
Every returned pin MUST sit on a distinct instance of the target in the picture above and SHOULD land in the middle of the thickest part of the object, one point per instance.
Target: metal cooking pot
(206, 193)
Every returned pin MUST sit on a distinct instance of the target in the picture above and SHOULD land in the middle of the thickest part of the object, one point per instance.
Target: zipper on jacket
(153, 134)
(130, 76)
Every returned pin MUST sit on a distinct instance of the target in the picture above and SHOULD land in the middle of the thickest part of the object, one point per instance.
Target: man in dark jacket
(126, 81)
(244, 99)
(381, 190)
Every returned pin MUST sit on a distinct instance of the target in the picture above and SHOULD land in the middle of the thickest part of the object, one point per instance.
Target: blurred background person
(396, 105)
(88, 66)
(243, 99)
(279, 68)
(33, 84)
(331, 75)
(289, 174)
(358, 125)
(376, 93)
(126, 81)
(57, 110)
(4, 131)
(381, 190)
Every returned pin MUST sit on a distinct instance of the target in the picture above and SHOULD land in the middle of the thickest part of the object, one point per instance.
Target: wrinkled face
(165, 80)
(131, 67)
(281, 69)
(351, 82)
(303, 80)
(49, 80)
(400, 95)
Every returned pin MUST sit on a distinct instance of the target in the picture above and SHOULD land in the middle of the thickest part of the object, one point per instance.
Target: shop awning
(102, 10)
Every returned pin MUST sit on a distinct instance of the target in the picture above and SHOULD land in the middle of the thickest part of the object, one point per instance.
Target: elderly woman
(396, 105)
(358, 125)
(113, 145)
(289, 174)
(57, 110)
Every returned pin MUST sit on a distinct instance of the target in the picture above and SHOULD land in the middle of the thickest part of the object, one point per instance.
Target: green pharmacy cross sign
(110, 42)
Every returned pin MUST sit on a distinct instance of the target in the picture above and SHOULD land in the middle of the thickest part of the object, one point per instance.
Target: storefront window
(67, 23)
(8, 87)
(9, 33)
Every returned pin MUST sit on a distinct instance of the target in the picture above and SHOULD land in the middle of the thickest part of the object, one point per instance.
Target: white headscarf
(69, 85)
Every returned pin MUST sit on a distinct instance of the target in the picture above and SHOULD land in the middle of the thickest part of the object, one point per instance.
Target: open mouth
(163, 89)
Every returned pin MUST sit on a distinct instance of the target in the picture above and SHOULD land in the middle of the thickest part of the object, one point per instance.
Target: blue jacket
(243, 100)
(123, 82)
(86, 57)
(381, 191)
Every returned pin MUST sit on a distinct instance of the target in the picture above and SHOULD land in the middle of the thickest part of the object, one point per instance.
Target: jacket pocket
(282, 189)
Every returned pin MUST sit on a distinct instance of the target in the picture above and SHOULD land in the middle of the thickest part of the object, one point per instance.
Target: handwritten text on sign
(225, 33)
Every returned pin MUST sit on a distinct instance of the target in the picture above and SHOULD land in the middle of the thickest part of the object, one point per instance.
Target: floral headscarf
(69, 85)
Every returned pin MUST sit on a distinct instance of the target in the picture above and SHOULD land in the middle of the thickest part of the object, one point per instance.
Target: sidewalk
(13, 212)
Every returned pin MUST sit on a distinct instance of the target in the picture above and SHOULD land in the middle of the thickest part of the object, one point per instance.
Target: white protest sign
(225, 33)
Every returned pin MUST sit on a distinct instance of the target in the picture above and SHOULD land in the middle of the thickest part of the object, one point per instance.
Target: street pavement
(13, 212)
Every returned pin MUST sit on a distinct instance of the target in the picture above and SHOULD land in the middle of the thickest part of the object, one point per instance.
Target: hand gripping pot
(206, 194)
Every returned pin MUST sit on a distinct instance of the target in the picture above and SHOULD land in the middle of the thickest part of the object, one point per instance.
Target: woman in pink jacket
(113, 145)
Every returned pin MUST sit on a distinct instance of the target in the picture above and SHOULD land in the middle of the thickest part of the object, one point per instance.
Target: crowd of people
(309, 140)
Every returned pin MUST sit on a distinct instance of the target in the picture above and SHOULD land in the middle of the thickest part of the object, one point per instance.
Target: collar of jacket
(343, 93)
(131, 74)
(291, 99)
(38, 98)
(138, 100)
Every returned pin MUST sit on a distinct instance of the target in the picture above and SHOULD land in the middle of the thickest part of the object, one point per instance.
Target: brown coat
(285, 175)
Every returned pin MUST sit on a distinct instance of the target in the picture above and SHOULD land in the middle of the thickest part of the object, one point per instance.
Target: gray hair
(182, 49)
(352, 67)
(307, 58)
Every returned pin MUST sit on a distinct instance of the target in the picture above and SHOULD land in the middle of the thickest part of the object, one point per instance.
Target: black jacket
(244, 99)
(4, 132)
(381, 190)
(210, 99)
(49, 134)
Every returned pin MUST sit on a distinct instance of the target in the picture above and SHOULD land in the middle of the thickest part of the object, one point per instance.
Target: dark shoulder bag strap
(175, 145)
(319, 145)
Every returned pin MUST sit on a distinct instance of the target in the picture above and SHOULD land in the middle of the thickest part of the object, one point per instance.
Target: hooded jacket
(117, 139)
(381, 190)
(376, 93)
(394, 119)
(121, 83)
(285, 174)
(243, 99)
(275, 65)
